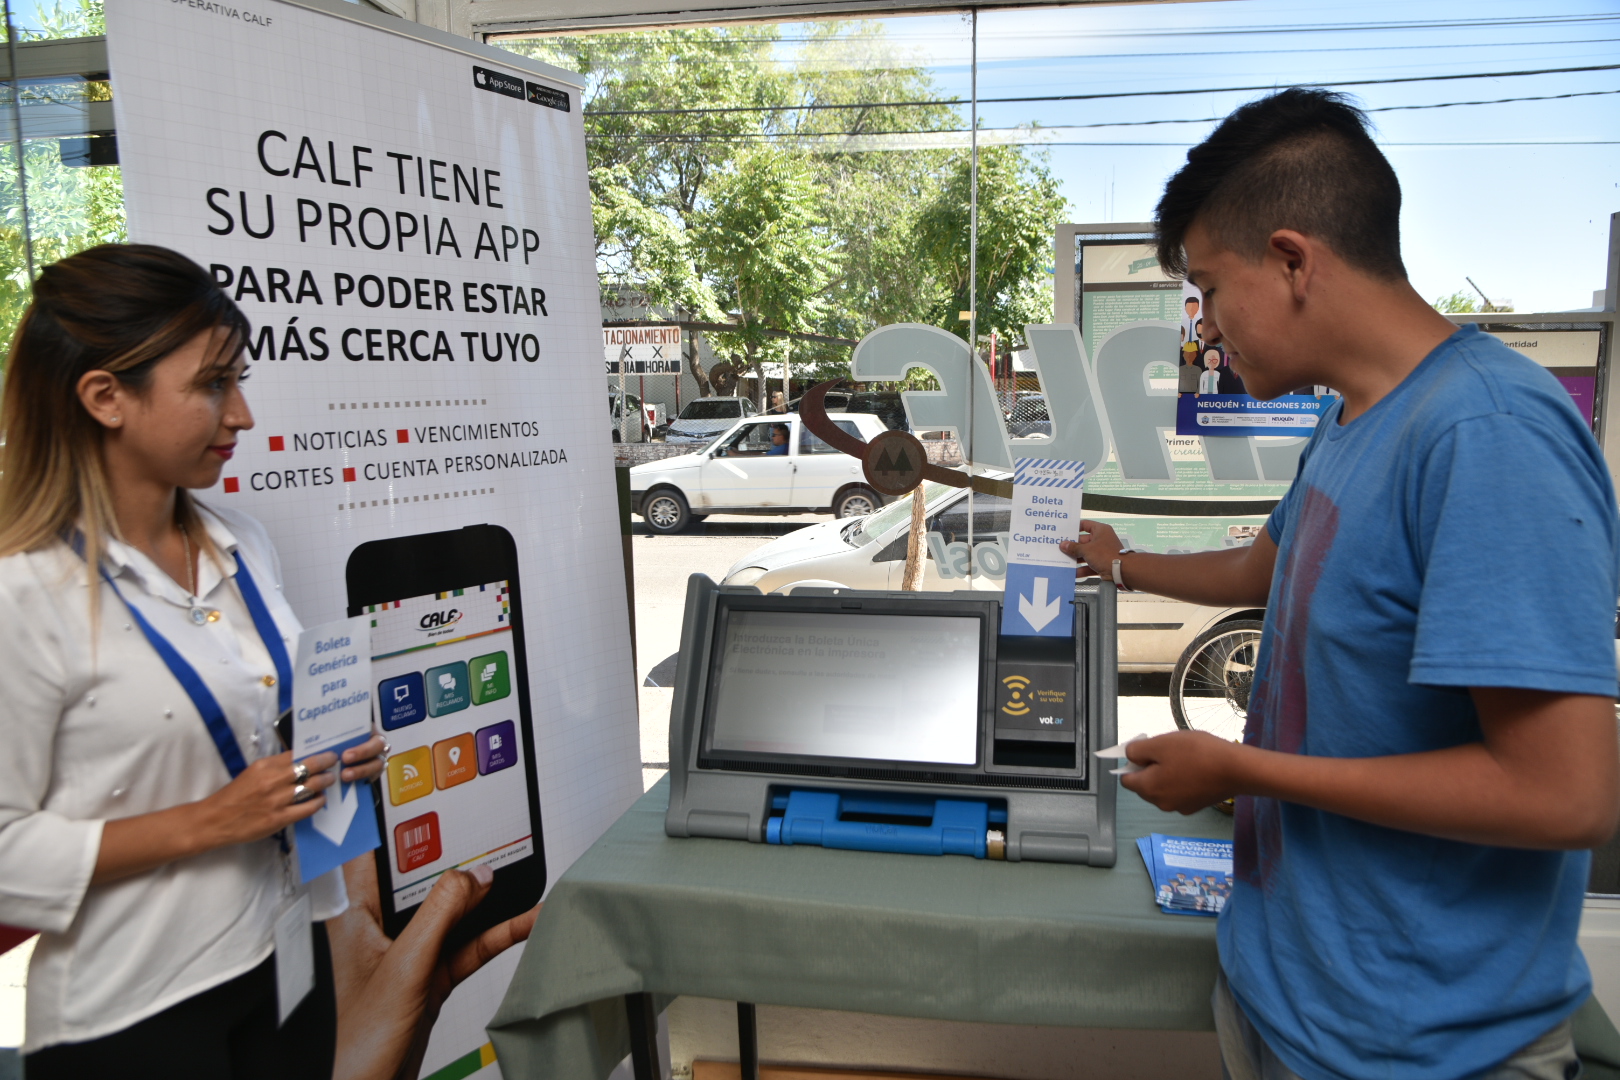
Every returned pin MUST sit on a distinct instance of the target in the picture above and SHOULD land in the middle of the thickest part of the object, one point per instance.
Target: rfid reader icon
(1016, 705)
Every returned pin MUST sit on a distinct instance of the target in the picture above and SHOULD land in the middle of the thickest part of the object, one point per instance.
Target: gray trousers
(1245, 1055)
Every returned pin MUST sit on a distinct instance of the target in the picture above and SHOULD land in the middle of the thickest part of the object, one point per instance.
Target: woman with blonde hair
(145, 798)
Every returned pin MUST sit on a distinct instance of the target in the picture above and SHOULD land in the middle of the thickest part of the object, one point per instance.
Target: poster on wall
(1214, 403)
(1570, 355)
(1120, 283)
(405, 218)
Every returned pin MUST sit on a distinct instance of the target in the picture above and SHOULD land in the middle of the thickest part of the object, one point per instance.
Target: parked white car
(870, 553)
(704, 418)
(761, 465)
(629, 423)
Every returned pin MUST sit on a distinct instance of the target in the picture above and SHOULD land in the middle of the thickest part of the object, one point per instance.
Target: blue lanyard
(230, 751)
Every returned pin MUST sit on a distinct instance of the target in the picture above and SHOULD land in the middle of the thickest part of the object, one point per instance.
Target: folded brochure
(1190, 876)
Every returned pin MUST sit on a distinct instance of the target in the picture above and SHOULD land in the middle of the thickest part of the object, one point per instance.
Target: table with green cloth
(946, 938)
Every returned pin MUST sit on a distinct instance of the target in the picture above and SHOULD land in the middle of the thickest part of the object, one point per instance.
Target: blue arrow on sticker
(1038, 601)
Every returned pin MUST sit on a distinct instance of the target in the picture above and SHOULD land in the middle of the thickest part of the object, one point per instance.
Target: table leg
(747, 1041)
(643, 1036)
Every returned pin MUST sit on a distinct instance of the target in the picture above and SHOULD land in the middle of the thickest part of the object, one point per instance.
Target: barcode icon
(417, 841)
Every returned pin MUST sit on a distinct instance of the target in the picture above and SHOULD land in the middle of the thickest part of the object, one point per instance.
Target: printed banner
(1239, 414)
(406, 221)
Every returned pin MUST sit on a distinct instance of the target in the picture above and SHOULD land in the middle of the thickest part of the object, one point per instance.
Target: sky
(1516, 195)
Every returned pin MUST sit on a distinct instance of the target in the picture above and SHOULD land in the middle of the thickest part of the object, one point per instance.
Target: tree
(1019, 205)
(1462, 302)
(761, 241)
(69, 208)
(685, 127)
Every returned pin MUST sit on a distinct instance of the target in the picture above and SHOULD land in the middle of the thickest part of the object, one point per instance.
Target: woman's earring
(115, 420)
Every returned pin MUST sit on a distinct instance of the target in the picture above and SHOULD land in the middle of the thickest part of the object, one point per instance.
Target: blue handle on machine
(955, 826)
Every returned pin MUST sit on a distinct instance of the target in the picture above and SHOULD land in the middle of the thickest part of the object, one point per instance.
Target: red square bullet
(348, 476)
(404, 435)
(232, 485)
(278, 442)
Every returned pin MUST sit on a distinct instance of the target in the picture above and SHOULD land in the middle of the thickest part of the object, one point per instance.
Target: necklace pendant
(199, 616)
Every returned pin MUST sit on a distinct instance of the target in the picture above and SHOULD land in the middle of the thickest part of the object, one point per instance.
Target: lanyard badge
(294, 943)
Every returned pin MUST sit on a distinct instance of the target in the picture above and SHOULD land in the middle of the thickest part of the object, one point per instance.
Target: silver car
(703, 418)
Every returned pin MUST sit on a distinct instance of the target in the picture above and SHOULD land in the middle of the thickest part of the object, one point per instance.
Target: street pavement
(664, 563)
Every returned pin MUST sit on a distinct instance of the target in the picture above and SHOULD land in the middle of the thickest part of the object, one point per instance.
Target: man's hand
(1231, 577)
(1546, 776)
(389, 992)
(1184, 771)
(1099, 545)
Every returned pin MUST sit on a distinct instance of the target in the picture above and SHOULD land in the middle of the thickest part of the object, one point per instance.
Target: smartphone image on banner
(451, 683)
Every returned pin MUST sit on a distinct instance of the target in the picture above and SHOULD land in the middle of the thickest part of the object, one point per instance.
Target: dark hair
(1299, 159)
(119, 308)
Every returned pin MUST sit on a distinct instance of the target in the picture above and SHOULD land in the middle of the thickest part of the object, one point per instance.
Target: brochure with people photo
(1190, 876)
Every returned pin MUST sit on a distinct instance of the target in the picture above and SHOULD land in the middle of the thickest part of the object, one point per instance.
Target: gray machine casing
(1053, 815)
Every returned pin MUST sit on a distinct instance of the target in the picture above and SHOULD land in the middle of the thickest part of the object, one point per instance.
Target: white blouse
(93, 727)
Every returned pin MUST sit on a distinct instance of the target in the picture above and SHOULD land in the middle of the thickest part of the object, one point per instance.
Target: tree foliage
(766, 218)
(1018, 205)
(69, 208)
(760, 240)
(1463, 302)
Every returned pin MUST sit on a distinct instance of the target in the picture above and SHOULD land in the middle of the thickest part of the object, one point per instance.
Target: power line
(1286, 52)
(901, 66)
(1495, 142)
(1088, 97)
(676, 136)
(1269, 28)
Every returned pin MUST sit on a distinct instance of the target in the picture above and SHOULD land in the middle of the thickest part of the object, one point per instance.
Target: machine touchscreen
(899, 688)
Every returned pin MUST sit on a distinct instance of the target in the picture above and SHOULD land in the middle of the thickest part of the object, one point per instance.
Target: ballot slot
(897, 823)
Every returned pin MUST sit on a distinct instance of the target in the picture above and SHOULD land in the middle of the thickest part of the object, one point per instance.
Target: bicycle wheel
(1209, 688)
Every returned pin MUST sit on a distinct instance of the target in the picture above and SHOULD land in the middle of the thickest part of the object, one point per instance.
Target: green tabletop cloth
(947, 938)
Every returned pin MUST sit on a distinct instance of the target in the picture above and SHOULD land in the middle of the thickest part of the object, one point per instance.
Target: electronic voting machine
(893, 721)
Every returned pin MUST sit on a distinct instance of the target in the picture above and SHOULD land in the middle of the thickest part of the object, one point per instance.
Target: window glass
(69, 178)
(52, 20)
(810, 442)
(712, 409)
(751, 440)
(875, 525)
(991, 514)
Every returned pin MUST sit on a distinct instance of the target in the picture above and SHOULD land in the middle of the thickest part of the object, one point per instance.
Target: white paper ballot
(332, 686)
(1118, 752)
(1045, 511)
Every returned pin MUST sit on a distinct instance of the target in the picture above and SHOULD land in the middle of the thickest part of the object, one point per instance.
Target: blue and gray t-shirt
(1462, 532)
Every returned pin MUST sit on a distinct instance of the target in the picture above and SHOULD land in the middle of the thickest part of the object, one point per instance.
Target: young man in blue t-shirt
(1431, 737)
